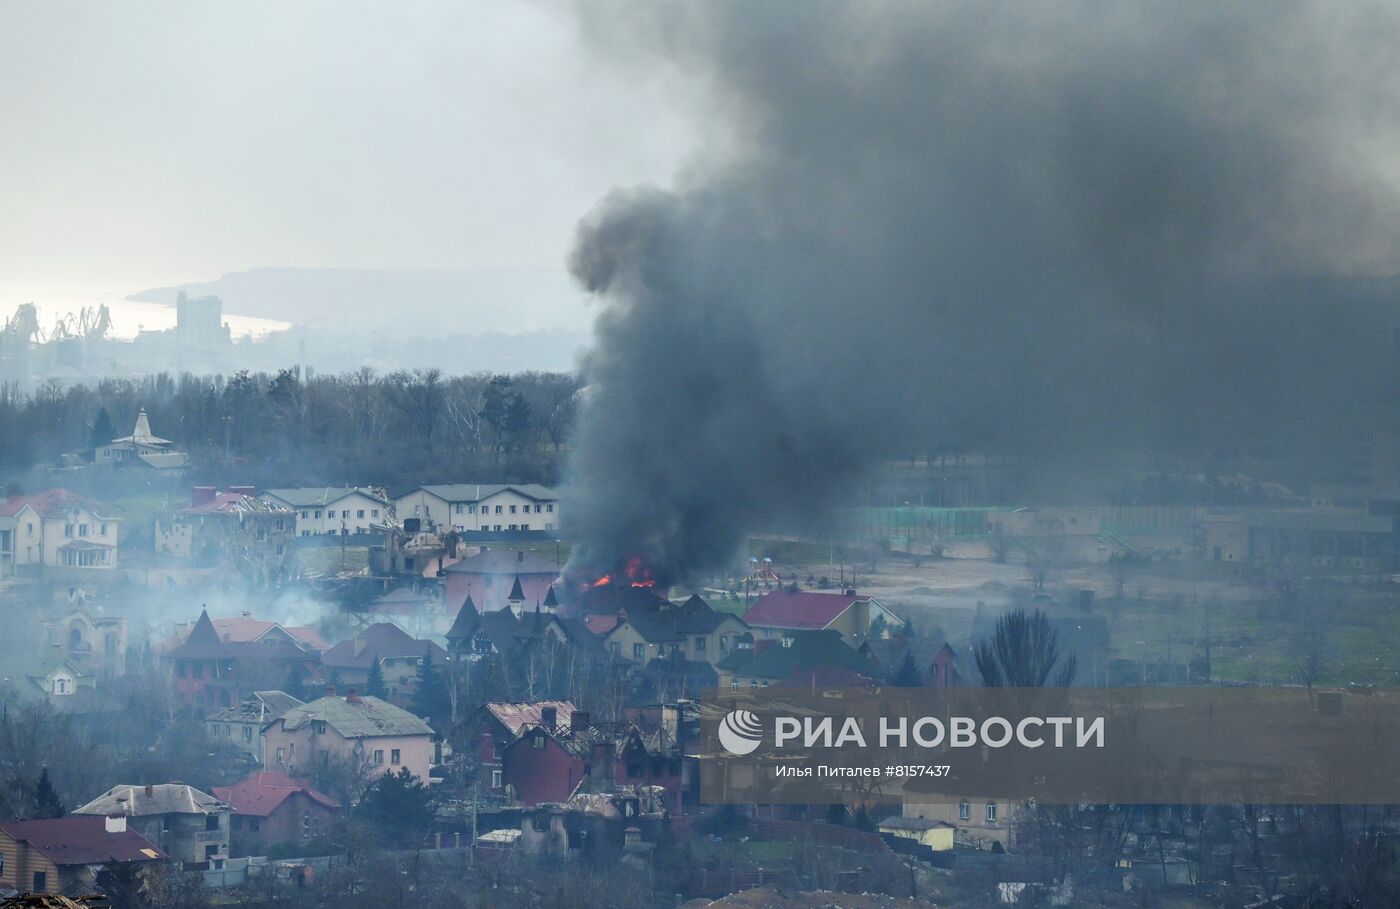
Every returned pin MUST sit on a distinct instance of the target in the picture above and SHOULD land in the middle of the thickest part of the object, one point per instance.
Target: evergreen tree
(907, 675)
(430, 697)
(46, 801)
(102, 430)
(396, 805)
(374, 685)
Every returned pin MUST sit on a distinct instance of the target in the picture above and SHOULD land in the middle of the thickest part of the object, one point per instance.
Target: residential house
(254, 537)
(933, 657)
(397, 654)
(241, 726)
(57, 529)
(692, 630)
(780, 612)
(489, 576)
(473, 507)
(142, 449)
(504, 633)
(370, 733)
(211, 670)
(188, 825)
(978, 821)
(759, 664)
(65, 684)
(552, 763)
(498, 724)
(64, 854)
(271, 808)
(333, 509)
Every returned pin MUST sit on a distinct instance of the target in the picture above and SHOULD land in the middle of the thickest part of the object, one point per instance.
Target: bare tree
(1023, 652)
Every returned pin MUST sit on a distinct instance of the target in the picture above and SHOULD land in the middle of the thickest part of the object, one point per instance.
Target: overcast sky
(160, 143)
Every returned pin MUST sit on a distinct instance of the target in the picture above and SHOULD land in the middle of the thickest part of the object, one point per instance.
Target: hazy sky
(161, 143)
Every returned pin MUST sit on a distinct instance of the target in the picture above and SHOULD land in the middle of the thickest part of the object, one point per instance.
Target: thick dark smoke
(1069, 231)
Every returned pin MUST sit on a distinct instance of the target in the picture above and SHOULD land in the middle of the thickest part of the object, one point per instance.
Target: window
(104, 528)
(281, 755)
(699, 645)
(345, 513)
(318, 514)
(724, 643)
(498, 528)
(471, 509)
(67, 530)
(319, 726)
(374, 512)
(378, 756)
(281, 549)
(498, 509)
(2, 864)
(549, 508)
(459, 507)
(513, 527)
(538, 741)
(359, 513)
(615, 648)
(394, 756)
(82, 530)
(247, 733)
(496, 782)
(211, 822)
(734, 685)
(539, 508)
(303, 515)
(524, 526)
(991, 812)
(964, 811)
(41, 881)
(638, 651)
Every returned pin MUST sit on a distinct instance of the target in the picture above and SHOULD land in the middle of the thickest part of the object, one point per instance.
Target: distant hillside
(510, 300)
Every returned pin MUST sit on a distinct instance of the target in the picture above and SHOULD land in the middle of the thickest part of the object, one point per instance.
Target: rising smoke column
(1061, 230)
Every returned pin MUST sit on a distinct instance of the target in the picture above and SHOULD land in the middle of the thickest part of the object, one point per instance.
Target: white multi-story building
(483, 506)
(333, 509)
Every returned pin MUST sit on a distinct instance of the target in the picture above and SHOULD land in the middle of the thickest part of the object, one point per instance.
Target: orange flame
(604, 581)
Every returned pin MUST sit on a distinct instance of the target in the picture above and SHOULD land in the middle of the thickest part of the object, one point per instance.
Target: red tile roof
(53, 502)
(807, 611)
(260, 794)
(82, 840)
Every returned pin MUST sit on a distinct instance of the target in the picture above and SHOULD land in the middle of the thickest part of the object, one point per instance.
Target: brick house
(498, 724)
(48, 856)
(271, 808)
(549, 764)
(211, 671)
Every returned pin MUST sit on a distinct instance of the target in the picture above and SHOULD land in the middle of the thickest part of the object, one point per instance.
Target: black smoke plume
(1067, 231)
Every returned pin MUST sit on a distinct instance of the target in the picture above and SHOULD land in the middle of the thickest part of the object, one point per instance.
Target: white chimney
(116, 823)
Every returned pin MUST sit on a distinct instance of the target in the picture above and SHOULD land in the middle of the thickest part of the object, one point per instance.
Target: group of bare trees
(289, 427)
